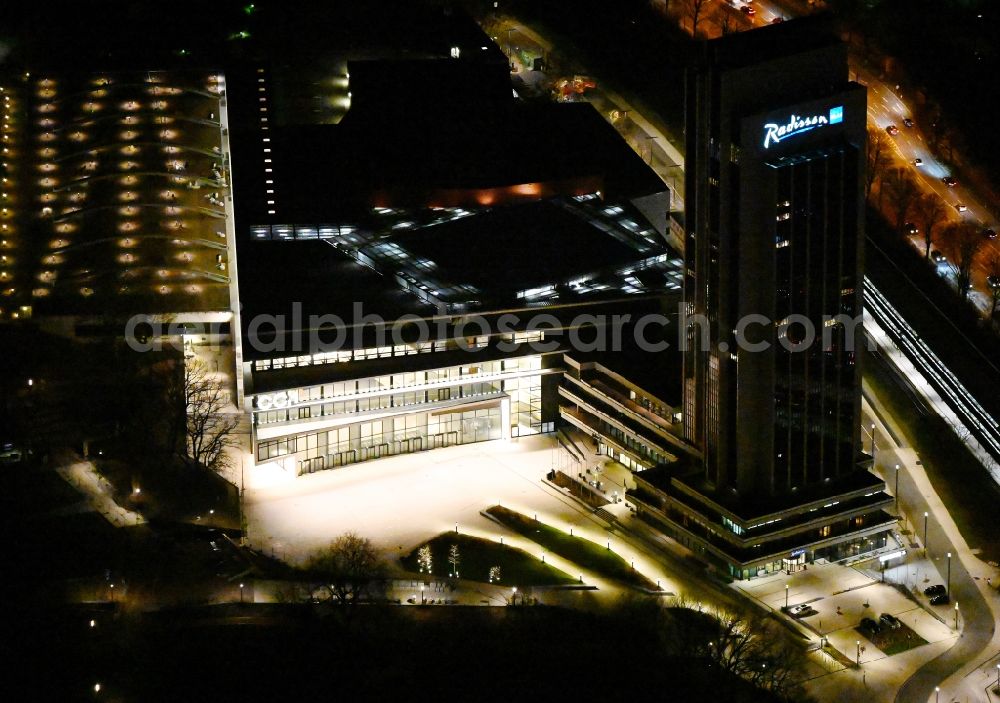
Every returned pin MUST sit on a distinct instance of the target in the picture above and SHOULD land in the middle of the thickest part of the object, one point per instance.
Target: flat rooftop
(509, 249)
(749, 507)
(415, 134)
(772, 41)
(525, 256)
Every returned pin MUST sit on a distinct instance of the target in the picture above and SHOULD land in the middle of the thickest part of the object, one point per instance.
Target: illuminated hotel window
(732, 526)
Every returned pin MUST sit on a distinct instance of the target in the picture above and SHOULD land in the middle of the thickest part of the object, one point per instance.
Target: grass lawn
(477, 556)
(594, 557)
(892, 641)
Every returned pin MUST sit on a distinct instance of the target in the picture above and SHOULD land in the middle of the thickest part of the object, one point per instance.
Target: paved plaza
(401, 501)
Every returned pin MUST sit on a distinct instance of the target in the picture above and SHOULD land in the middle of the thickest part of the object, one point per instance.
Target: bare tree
(208, 431)
(961, 242)
(694, 8)
(660, 6)
(350, 568)
(993, 282)
(726, 21)
(877, 159)
(930, 211)
(903, 192)
(745, 644)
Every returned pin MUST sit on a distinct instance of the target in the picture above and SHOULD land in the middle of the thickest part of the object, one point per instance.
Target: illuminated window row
(269, 196)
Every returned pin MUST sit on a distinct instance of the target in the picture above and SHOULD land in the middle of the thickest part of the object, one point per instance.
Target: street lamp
(649, 140)
(873, 444)
(858, 643)
(513, 597)
(956, 615)
(937, 694)
(948, 587)
(786, 596)
(925, 533)
(241, 593)
(897, 490)
(509, 30)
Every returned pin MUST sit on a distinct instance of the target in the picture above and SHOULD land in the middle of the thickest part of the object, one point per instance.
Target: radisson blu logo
(774, 133)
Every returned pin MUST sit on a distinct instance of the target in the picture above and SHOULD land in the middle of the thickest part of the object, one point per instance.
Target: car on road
(910, 228)
(961, 207)
(748, 11)
(949, 181)
(934, 590)
(801, 611)
(938, 257)
(993, 281)
(777, 20)
(990, 233)
(907, 122)
(941, 599)
(870, 625)
(918, 161)
(890, 621)
(893, 130)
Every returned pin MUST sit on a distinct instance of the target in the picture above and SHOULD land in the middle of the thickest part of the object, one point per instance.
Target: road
(942, 390)
(888, 106)
(953, 400)
(976, 616)
(649, 140)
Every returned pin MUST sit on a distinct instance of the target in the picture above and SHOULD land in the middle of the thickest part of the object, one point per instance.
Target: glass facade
(414, 388)
(815, 263)
(399, 434)
(384, 352)
(422, 412)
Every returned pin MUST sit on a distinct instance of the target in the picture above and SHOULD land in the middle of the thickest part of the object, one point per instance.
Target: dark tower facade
(774, 189)
(776, 137)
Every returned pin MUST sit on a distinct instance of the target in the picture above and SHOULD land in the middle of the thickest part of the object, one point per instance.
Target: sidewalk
(84, 477)
(979, 605)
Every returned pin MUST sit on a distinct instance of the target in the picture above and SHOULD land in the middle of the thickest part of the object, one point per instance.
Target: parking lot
(840, 597)
(127, 173)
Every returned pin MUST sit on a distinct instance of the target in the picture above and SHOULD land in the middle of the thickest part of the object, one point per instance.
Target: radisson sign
(797, 124)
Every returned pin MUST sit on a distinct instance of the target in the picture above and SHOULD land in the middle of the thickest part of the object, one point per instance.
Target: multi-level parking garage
(114, 191)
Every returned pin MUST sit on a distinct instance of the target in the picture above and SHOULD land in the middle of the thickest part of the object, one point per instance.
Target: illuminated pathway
(401, 501)
(932, 379)
(949, 669)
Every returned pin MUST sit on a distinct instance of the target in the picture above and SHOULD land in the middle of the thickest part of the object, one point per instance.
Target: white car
(802, 610)
(961, 207)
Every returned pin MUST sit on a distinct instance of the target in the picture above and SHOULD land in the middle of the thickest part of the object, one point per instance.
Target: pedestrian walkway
(979, 606)
(83, 476)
